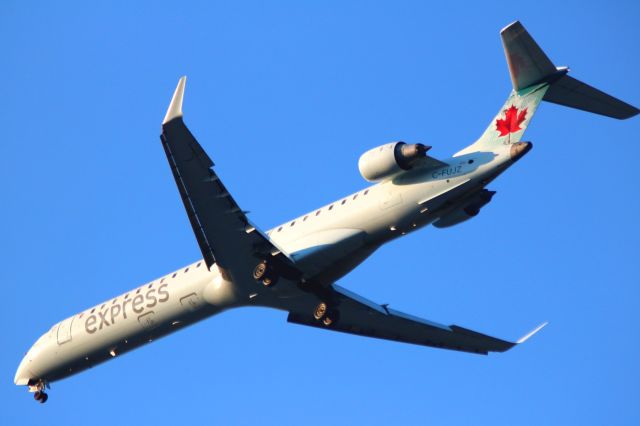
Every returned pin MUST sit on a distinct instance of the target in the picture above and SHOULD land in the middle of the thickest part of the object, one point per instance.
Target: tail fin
(535, 78)
(528, 64)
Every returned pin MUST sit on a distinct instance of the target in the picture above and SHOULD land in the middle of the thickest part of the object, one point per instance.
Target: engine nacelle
(468, 210)
(390, 159)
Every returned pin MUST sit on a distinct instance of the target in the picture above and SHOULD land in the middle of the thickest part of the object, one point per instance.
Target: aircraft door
(64, 330)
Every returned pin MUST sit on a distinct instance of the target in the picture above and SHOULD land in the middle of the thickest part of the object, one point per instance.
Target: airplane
(295, 267)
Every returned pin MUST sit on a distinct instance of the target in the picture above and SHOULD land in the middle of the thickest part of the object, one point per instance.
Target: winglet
(175, 107)
(532, 332)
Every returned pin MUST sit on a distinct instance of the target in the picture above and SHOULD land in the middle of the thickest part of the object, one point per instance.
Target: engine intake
(390, 159)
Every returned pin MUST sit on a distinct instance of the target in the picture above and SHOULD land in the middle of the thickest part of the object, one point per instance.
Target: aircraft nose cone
(23, 374)
(519, 149)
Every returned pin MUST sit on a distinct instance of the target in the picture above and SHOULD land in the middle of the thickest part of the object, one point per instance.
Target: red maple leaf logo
(511, 121)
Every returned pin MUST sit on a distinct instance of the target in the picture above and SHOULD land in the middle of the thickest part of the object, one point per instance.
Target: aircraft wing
(357, 315)
(224, 233)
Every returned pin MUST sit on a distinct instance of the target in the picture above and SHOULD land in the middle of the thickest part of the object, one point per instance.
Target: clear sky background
(285, 96)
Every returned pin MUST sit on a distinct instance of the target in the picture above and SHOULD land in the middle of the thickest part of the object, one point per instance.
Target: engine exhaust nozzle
(407, 154)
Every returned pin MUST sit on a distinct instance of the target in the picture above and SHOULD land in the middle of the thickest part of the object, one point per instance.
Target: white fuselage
(326, 243)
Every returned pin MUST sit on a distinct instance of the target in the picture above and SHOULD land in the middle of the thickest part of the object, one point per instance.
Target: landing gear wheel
(327, 320)
(41, 397)
(260, 271)
(321, 311)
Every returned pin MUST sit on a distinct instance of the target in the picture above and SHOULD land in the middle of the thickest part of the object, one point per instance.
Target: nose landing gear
(38, 388)
(41, 396)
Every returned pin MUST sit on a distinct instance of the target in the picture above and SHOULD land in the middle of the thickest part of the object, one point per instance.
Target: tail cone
(519, 149)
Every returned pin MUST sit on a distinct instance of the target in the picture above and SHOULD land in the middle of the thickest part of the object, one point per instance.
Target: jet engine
(468, 210)
(389, 159)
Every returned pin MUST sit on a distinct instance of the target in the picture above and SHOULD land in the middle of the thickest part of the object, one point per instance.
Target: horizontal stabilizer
(573, 93)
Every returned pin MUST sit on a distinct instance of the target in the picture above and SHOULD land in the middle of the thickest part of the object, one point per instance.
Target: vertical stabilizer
(528, 64)
(509, 125)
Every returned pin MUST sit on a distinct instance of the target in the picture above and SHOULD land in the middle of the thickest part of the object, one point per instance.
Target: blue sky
(285, 96)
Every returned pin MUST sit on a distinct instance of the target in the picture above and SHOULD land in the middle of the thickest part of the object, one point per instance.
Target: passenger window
(149, 286)
(198, 265)
(331, 207)
(126, 296)
(318, 212)
(355, 196)
(93, 310)
(280, 229)
(293, 223)
(102, 307)
(174, 275)
(162, 280)
(113, 302)
(305, 218)
(343, 201)
(366, 192)
(186, 270)
(138, 291)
